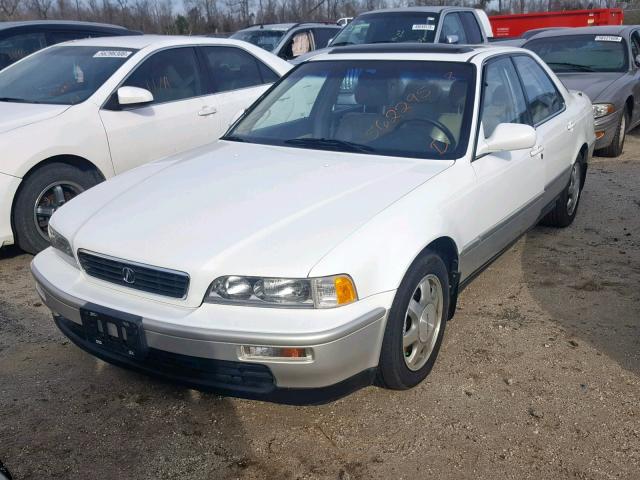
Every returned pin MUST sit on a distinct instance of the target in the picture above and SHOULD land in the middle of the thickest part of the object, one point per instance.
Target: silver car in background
(604, 63)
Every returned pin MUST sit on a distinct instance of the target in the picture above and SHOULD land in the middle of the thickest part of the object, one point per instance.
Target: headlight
(59, 242)
(602, 109)
(323, 292)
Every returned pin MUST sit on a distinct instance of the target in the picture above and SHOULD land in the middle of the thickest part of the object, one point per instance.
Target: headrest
(458, 91)
(372, 91)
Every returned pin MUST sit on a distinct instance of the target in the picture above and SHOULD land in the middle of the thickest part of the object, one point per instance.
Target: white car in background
(324, 239)
(77, 113)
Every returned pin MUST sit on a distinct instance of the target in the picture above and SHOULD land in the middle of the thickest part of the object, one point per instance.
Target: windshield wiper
(582, 68)
(15, 100)
(233, 138)
(330, 144)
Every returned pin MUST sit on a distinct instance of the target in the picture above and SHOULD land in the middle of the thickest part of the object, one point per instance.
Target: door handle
(536, 150)
(571, 125)
(206, 111)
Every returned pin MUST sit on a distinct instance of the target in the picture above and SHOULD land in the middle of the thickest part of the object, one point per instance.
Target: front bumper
(344, 356)
(609, 125)
(8, 188)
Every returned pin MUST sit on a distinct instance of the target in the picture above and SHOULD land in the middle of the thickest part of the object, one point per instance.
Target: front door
(172, 123)
(509, 185)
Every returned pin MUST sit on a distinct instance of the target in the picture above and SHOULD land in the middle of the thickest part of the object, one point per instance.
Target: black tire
(617, 144)
(564, 212)
(393, 370)
(29, 235)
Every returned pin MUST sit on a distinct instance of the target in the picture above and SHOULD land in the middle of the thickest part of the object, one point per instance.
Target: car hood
(240, 209)
(15, 115)
(593, 84)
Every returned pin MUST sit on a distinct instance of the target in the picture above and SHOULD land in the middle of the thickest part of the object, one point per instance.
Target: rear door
(168, 125)
(509, 184)
(235, 80)
(553, 122)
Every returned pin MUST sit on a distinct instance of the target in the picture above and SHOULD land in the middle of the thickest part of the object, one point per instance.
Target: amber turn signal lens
(345, 290)
(599, 134)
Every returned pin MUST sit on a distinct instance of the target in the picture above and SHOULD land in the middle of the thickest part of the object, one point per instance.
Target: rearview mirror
(134, 96)
(507, 137)
(452, 39)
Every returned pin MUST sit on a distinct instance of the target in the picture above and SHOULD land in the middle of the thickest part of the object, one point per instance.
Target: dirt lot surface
(538, 377)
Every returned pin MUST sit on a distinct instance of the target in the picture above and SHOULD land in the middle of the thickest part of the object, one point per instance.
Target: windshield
(389, 28)
(582, 53)
(416, 109)
(267, 39)
(64, 75)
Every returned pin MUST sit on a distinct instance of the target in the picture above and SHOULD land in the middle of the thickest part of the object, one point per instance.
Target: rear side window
(18, 46)
(169, 75)
(323, 35)
(471, 28)
(232, 69)
(544, 98)
(452, 26)
(503, 100)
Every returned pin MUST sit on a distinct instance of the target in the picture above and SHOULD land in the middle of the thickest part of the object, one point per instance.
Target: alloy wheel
(50, 199)
(574, 188)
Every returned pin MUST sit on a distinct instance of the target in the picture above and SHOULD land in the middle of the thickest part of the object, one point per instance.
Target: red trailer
(516, 25)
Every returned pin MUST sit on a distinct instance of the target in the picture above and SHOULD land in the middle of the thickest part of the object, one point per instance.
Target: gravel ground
(538, 377)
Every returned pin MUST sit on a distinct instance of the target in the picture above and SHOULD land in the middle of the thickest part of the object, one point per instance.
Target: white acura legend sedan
(75, 114)
(322, 242)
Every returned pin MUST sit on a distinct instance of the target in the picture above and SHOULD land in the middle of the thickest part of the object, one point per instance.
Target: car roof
(49, 23)
(601, 30)
(288, 26)
(432, 9)
(157, 41)
(413, 51)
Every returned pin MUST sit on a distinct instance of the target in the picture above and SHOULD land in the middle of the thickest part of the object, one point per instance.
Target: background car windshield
(389, 28)
(267, 39)
(582, 53)
(397, 108)
(63, 75)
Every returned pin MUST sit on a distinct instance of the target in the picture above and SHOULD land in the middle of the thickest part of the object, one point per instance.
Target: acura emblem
(128, 275)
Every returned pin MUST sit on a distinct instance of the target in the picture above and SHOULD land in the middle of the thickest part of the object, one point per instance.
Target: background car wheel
(566, 207)
(416, 324)
(617, 144)
(42, 193)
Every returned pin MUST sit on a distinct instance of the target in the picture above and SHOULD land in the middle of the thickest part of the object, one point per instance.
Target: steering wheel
(435, 123)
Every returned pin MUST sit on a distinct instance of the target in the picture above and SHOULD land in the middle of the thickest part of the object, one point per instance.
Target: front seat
(373, 95)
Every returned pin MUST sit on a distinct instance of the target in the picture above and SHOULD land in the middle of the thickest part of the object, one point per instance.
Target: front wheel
(41, 194)
(416, 323)
(617, 144)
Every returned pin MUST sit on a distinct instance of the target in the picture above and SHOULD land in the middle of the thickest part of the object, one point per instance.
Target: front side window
(582, 53)
(544, 98)
(323, 35)
(263, 38)
(64, 75)
(397, 108)
(169, 75)
(471, 27)
(635, 44)
(232, 68)
(300, 43)
(503, 100)
(19, 46)
(452, 27)
(389, 28)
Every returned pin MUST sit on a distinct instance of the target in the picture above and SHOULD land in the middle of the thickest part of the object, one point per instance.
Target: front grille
(160, 281)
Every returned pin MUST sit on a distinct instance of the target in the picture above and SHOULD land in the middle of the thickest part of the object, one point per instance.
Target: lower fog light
(286, 354)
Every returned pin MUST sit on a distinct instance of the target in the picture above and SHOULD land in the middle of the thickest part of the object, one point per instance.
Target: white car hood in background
(243, 209)
(15, 115)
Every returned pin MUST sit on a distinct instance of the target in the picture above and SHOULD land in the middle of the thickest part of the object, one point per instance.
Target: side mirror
(507, 137)
(134, 96)
(637, 59)
(452, 39)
